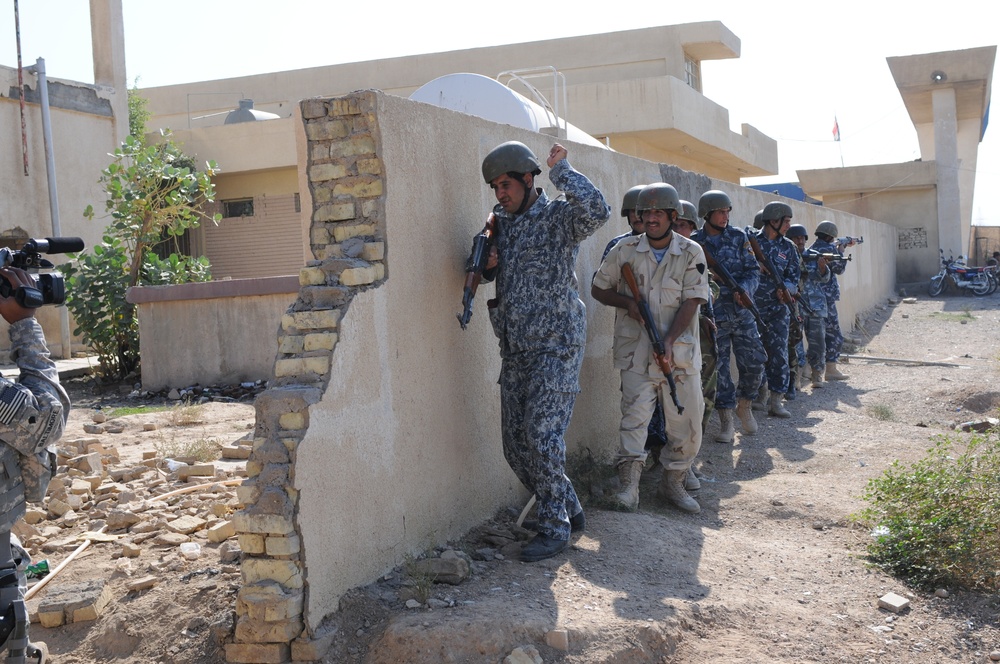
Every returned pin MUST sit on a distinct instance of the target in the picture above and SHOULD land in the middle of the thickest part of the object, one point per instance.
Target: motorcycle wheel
(936, 286)
(982, 286)
(993, 282)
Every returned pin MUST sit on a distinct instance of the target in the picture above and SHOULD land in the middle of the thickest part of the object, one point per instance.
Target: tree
(153, 195)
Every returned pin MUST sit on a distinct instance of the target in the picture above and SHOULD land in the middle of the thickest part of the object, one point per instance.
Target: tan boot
(672, 490)
(726, 430)
(804, 379)
(629, 472)
(745, 413)
(833, 373)
(691, 482)
(817, 378)
(760, 403)
(775, 408)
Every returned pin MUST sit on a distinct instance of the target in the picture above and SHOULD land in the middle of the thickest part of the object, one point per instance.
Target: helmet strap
(527, 194)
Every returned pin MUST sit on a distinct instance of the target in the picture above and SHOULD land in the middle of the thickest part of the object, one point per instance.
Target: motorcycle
(976, 279)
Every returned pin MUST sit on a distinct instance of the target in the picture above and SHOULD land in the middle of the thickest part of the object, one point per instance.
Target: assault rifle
(830, 258)
(729, 282)
(474, 269)
(659, 352)
(784, 295)
(842, 242)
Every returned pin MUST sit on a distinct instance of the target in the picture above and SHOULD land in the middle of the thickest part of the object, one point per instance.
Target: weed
(203, 449)
(880, 411)
(421, 582)
(966, 316)
(937, 521)
(133, 410)
(186, 414)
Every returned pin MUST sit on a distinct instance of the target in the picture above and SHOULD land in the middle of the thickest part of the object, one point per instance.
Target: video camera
(51, 288)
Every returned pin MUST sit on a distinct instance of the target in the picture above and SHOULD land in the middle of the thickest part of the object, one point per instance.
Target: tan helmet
(510, 157)
(826, 228)
(776, 211)
(658, 196)
(630, 198)
(690, 213)
(713, 200)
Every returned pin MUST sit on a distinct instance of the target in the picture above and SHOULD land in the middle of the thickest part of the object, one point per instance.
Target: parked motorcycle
(976, 279)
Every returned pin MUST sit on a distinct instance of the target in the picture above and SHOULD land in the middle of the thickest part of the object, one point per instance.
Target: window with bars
(692, 72)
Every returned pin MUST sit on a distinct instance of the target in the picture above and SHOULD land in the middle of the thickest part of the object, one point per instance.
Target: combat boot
(833, 373)
(760, 403)
(691, 482)
(726, 430)
(775, 407)
(805, 380)
(817, 378)
(629, 472)
(745, 413)
(672, 490)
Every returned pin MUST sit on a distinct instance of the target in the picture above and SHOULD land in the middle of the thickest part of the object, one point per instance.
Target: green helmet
(689, 213)
(796, 230)
(713, 200)
(658, 196)
(631, 196)
(758, 220)
(827, 228)
(776, 211)
(510, 157)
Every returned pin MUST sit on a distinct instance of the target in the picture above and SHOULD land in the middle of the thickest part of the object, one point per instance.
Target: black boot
(542, 547)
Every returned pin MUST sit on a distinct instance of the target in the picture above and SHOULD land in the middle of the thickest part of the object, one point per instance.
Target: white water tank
(487, 98)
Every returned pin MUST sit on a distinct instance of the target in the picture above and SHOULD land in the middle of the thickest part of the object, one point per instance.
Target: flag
(836, 129)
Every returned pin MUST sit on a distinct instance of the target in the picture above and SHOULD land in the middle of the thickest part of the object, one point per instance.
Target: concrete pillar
(107, 28)
(949, 201)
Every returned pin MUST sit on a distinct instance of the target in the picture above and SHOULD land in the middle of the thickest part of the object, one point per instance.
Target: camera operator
(33, 412)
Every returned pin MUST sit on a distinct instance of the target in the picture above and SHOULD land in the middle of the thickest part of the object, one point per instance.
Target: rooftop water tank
(487, 98)
(246, 113)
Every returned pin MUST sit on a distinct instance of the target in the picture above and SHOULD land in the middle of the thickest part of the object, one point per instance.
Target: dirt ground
(772, 570)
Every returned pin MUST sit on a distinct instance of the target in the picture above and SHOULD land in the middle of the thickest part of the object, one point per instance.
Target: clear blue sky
(801, 64)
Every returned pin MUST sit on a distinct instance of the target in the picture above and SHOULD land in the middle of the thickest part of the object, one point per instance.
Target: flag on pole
(836, 129)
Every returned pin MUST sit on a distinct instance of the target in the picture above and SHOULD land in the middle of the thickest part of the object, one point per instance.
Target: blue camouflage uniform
(813, 295)
(785, 258)
(541, 323)
(33, 413)
(834, 337)
(737, 329)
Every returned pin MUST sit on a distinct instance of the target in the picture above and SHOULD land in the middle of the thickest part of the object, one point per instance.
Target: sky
(801, 64)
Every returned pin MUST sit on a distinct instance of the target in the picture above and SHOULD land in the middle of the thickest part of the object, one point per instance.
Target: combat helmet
(510, 157)
(713, 200)
(758, 220)
(689, 213)
(776, 211)
(796, 230)
(658, 196)
(826, 228)
(630, 198)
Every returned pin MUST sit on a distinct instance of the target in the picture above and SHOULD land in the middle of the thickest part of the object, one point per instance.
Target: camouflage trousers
(834, 337)
(816, 338)
(774, 335)
(639, 393)
(534, 418)
(656, 433)
(737, 335)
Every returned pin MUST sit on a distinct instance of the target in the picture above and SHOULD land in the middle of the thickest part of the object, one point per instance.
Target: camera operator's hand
(9, 308)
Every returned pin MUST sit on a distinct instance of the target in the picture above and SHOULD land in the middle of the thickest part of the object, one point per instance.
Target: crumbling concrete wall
(379, 436)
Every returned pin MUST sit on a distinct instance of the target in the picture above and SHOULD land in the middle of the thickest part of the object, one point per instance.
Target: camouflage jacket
(785, 258)
(732, 250)
(614, 241)
(812, 286)
(537, 304)
(680, 276)
(831, 288)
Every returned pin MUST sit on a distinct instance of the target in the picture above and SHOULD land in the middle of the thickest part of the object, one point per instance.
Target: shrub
(937, 521)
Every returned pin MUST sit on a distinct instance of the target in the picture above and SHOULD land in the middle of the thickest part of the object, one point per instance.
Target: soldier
(541, 323)
(670, 272)
(33, 412)
(815, 273)
(737, 329)
(826, 233)
(774, 304)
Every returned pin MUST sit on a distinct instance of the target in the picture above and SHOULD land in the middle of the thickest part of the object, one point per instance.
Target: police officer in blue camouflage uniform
(33, 412)
(826, 233)
(774, 304)
(541, 324)
(815, 274)
(737, 329)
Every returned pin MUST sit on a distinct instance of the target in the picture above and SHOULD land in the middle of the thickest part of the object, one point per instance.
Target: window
(692, 72)
(237, 207)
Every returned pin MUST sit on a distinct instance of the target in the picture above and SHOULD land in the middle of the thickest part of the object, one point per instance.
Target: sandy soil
(772, 570)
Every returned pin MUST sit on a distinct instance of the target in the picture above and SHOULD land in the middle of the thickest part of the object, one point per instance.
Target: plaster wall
(403, 449)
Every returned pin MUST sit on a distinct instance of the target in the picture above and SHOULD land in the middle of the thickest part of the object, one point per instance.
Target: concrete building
(929, 201)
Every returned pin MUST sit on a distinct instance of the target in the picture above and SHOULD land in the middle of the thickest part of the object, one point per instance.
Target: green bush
(937, 522)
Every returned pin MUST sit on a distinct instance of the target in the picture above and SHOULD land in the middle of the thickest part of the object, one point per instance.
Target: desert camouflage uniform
(815, 297)
(542, 326)
(680, 276)
(777, 319)
(33, 413)
(834, 337)
(737, 328)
